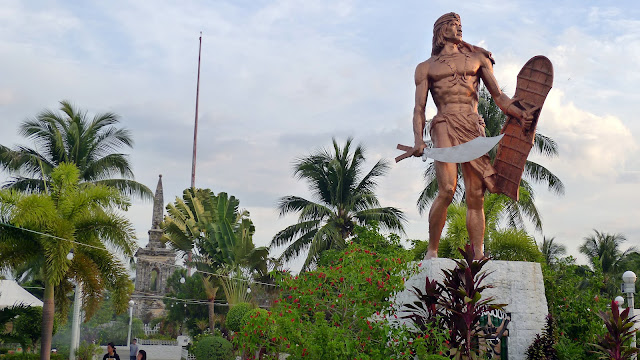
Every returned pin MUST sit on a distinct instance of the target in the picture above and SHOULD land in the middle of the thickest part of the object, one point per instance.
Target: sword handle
(408, 152)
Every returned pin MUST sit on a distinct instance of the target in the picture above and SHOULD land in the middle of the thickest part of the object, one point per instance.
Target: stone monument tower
(155, 263)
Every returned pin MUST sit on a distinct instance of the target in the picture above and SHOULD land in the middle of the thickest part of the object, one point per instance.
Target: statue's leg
(474, 196)
(447, 176)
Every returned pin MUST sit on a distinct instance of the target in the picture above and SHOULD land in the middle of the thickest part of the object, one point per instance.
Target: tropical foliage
(543, 347)
(44, 227)
(340, 310)
(604, 253)
(235, 316)
(514, 213)
(456, 304)
(220, 235)
(501, 243)
(70, 136)
(551, 250)
(620, 330)
(513, 245)
(574, 299)
(604, 250)
(344, 197)
(25, 325)
(106, 325)
(181, 301)
(212, 348)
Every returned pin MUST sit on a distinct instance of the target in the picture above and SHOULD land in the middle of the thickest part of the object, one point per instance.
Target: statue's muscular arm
(419, 119)
(502, 100)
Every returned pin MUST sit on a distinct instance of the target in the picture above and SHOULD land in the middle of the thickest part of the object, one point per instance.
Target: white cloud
(590, 144)
(279, 79)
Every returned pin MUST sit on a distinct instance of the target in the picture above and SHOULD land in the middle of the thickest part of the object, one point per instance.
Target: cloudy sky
(281, 78)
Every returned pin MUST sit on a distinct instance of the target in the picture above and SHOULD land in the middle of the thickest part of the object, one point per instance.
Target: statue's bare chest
(453, 68)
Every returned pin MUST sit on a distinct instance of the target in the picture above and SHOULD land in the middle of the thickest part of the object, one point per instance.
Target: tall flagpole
(195, 128)
(195, 141)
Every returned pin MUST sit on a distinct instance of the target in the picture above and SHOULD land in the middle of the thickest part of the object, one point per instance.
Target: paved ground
(154, 352)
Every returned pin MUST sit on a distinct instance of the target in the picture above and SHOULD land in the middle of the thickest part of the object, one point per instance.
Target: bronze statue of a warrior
(452, 75)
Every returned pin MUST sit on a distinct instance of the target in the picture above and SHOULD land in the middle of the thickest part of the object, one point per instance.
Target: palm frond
(113, 164)
(128, 187)
(289, 204)
(327, 237)
(368, 182)
(293, 231)
(389, 218)
(296, 247)
(545, 145)
(540, 174)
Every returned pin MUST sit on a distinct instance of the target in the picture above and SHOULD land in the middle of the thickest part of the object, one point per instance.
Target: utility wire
(156, 262)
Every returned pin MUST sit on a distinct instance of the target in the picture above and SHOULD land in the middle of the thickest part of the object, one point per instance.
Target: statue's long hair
(438, 31)
(438, 37)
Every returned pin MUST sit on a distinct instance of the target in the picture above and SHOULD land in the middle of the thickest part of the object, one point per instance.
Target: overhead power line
(156, 262)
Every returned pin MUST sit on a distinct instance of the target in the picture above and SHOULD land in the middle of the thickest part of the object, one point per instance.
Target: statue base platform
(517, 284)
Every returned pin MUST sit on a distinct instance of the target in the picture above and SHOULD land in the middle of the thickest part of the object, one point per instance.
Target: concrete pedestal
(516, 283)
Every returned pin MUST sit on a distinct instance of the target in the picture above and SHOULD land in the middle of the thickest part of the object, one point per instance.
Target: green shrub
(87, 351)
(573, 298)
(236, 315)
(212, 348)
(571, 350)
(24, 356)
(513, 245)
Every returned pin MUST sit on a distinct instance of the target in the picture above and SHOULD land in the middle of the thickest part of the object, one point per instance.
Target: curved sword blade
(462, 153)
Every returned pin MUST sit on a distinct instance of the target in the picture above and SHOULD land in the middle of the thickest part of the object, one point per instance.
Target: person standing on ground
(133, 349)
(111, 352)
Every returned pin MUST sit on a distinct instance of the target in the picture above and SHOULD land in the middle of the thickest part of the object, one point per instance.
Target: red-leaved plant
(456, 304)
(619, 331)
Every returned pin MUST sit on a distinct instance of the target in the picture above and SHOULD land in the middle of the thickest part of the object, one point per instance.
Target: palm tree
(513, 245)
(70, 216)
(514, 212)
(500, 243)
(344, 198)
(70, 136)
(551, 250)
(603, 250)
(221, 238)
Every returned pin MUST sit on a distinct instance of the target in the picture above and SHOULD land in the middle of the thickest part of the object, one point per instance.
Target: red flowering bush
(339, 310)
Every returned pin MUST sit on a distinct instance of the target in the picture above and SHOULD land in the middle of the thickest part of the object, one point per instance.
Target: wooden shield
(534, 82)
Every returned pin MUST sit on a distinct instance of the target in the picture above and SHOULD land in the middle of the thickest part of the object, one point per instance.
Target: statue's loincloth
(461, 128)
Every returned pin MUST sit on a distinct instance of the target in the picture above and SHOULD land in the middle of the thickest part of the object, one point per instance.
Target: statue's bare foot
(431, 255)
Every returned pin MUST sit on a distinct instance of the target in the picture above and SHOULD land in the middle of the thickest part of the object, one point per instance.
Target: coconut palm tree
(221, 238)
(71, 136)
(70, 216)
(514, 212)
(603, 250)
(344, 197)
(551, 250)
